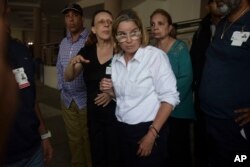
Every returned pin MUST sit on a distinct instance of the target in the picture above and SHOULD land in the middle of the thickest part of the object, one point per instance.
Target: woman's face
(160, 27)
(103, 26)
(129, 36)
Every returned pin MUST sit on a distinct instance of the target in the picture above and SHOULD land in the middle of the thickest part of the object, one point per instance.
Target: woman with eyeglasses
(144, 86)
(179, 144)
(94, 60)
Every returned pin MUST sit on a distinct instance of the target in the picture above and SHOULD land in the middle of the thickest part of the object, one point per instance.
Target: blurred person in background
(8, 88)
(27, 142)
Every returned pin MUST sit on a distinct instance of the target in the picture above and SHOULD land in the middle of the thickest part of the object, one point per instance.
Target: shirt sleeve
(59, 71)
(164, 80)
(82, 52)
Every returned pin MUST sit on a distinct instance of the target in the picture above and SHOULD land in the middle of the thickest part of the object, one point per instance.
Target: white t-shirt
(142, 85)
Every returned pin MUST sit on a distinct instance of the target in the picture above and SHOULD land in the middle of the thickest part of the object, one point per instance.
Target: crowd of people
(126, 103)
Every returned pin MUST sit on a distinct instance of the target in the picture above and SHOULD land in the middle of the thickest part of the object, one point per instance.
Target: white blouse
(142, 85)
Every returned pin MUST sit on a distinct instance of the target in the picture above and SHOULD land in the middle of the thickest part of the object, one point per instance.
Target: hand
(47, 150)
(103, 99)
(78, 59)
(146, 144)
(244, 116)
(106, 86)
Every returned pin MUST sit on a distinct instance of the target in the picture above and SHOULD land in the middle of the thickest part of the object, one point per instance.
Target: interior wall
(27, 35)
(17, 33)
(203, 10)
(180, 10)
(56, 35)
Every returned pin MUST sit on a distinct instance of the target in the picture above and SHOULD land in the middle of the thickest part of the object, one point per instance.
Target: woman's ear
(170, 28)
(93, 30)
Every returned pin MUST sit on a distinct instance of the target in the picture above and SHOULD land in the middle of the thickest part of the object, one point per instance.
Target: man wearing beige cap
(73, 94)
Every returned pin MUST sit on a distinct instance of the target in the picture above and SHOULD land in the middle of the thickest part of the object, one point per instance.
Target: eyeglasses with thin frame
(104, 22)
(123, 36)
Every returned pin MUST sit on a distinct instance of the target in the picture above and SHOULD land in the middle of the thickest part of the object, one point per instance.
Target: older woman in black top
(95, 59)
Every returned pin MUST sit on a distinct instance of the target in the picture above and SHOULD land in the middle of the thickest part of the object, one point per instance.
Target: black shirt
(225, 84)
(24, 137)
(200, 43)
(93, 73)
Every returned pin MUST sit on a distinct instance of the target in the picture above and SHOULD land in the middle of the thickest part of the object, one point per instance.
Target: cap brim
(67, 9)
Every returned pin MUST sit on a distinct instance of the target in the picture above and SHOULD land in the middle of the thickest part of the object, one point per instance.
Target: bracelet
(157, 133)
(46, 135)
(153, 133)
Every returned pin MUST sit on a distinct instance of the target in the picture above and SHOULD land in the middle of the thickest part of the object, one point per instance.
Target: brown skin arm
(46, 144)
(74, 67)
(243, 116)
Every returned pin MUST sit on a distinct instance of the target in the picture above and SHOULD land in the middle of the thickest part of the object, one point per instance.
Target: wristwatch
(46, 135)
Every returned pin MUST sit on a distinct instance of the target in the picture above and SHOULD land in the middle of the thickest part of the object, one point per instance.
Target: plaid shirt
(76, 89)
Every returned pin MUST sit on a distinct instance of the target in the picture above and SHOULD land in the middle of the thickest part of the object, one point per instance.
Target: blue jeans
(34, 161)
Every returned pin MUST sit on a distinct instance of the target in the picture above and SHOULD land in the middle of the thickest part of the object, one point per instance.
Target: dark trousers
(201, 142)
(129, 137)
(179, 143)
(104, 143)
(226, 143)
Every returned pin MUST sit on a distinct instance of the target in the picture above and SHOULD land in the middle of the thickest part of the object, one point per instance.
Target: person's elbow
(68, 77)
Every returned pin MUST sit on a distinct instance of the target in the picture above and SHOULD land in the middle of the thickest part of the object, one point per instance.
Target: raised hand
(74, 67)
(78, 59)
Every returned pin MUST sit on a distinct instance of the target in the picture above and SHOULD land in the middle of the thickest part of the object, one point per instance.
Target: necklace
(225, 28)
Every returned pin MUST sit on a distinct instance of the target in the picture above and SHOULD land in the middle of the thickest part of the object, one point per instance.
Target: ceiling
(21, 15)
